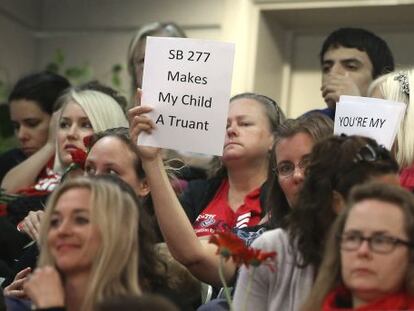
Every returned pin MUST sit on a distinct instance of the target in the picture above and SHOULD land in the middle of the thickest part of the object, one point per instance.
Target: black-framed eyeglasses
(286, 169)
(369, 153)
(377, 243)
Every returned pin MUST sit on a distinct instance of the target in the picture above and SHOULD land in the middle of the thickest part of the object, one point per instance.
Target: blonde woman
(84, 110)
(89, 245)
(90, 111)
(396, 86)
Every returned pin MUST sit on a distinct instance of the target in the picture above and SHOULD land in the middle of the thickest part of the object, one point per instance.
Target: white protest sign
(187, 82)
(372, 117)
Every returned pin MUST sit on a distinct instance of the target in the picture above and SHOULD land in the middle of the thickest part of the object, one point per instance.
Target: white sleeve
(262, 277)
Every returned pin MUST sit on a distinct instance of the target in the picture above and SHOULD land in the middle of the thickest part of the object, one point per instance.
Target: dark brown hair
(333, 168)
(318, 127)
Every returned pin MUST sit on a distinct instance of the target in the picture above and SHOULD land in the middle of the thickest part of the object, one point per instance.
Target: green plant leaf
(116, 81)
(52, 67)
(74, 72)
(59, 57)
(117, 68)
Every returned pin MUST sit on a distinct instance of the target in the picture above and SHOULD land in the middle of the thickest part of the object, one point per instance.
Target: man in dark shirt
(350, 59)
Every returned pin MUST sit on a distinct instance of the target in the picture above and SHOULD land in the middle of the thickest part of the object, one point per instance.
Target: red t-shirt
(218, 216)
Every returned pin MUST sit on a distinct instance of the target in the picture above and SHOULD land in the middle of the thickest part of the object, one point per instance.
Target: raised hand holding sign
(187, 82)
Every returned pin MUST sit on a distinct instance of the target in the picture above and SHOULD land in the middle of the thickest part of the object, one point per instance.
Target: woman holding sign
(396, 86)
(293, 144)
(233, 198)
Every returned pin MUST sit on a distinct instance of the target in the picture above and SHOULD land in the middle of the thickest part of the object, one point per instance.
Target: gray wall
(18, 46)
(94, 32)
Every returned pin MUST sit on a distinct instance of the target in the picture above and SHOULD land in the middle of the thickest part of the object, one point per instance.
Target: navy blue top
(327, 111)
(10, 159)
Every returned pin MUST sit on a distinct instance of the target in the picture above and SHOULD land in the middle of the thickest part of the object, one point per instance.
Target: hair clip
(402, 78)
(371, 153)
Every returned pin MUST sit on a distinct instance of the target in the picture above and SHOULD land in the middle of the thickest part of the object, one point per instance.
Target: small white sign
(188, 83)
(372, 117)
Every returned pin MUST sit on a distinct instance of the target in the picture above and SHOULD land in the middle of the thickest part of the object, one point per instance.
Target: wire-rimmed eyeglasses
(286, 169)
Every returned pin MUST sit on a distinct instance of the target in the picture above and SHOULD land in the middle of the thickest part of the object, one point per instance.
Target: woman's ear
(144, 188)
(338, 202)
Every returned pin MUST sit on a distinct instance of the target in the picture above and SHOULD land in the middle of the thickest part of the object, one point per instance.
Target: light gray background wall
(93, 32)
(18, 45)
(277, 41)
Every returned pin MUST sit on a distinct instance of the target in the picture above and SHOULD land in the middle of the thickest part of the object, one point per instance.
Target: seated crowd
(93, 221)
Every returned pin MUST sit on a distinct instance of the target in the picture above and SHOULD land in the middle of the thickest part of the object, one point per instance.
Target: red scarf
(397, 301)
(46, 183)
(407, 178)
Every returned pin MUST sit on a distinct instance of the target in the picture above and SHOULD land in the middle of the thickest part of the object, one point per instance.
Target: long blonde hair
(103, 111)
(114, 211)
(391, 89)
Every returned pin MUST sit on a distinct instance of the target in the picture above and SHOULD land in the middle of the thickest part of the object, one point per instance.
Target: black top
(10, 159)
(329, 112)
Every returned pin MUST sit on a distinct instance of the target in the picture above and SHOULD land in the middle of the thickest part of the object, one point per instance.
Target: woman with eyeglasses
(294, 140)
(368, 259)
(335, 165)
(199, 256)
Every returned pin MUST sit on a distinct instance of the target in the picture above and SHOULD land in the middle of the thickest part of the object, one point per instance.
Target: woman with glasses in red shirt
(368, 260)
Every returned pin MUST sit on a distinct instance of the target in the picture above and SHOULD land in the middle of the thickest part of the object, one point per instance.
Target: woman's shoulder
(272, 239)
